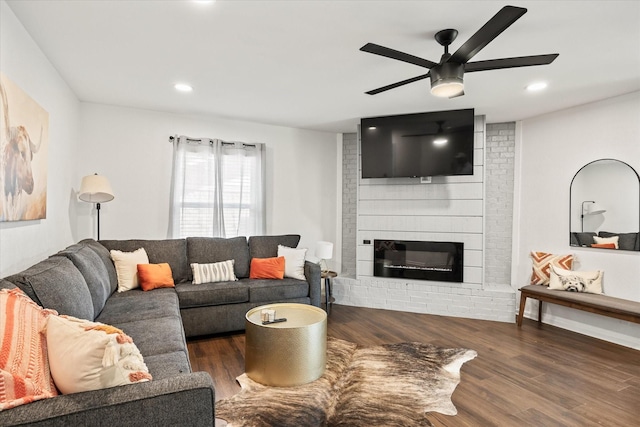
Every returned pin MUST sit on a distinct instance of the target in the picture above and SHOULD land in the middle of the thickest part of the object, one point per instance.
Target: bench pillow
(576, 281)
(542, 262)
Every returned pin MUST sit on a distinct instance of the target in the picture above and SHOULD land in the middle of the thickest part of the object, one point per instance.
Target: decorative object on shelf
(96, 189)
(324, 251)
(24, 140)
(592, 209)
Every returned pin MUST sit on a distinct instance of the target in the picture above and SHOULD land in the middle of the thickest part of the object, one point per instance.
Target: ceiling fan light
(448, 87)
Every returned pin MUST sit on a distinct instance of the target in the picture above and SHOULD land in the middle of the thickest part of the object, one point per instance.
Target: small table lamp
(96, 189)
(324, 251)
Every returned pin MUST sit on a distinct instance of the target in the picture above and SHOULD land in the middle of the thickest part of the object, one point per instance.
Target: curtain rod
(172, 138)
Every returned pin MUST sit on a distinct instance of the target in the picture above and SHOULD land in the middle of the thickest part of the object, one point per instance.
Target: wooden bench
(594, 303)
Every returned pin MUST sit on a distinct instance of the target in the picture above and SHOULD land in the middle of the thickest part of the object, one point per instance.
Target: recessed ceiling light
(537, 86)
(372, 128)
(183, 87)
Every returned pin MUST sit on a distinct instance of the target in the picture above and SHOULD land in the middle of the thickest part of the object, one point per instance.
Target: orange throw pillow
(604, 245)
(154, 276)
(267, 268)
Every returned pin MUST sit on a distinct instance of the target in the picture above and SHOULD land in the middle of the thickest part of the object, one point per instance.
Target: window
(217, 189)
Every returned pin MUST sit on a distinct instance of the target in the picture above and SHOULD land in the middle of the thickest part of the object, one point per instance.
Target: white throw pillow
(575, 281)
(213, 272)
(127, 267)
(613, 239)
(88, 356)
(293, 261)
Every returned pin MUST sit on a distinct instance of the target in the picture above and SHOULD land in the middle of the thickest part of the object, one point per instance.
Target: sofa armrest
(180, 400)
(312, 273)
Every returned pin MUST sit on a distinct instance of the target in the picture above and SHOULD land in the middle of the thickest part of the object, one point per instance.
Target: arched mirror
(605, 206)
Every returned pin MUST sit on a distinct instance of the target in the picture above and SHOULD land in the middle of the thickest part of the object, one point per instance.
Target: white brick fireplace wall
(447, 209)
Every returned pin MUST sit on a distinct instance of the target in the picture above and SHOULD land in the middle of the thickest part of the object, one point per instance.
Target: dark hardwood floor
(529, 376)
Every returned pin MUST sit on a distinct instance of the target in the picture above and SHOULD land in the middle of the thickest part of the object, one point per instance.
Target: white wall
(552, 148)
(130, 147)
(21, 60)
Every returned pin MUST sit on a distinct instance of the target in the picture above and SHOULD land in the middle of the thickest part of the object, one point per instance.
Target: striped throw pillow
(542, 263)
(25, 375)
(214, 272)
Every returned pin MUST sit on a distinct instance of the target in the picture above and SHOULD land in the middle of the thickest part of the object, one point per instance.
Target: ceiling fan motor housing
(447, 79)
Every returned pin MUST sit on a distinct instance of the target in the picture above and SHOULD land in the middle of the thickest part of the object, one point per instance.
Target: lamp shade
(595, 209)
(324, 250)
(95, 189)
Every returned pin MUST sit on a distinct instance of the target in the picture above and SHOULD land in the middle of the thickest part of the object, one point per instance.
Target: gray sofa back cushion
(205, 250)
(171, 251)
(267, 246)
(104, 255)
(626, 241)
(5, 284)
(94, 272)
(56, 283)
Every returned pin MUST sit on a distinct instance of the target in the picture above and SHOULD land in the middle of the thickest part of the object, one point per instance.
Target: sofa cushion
(155, 276)
(267, 246)
(168, 365)
(268, 290)
(5, 284)
(626, 241)
(94, 272)
(267, 268)
(206, 250)
(213, 272)
(127, 267)
(217, 293)
(104, 255)
(157, 336)
(135, 304)
(57, 284)
(89, 356)
(171, 251)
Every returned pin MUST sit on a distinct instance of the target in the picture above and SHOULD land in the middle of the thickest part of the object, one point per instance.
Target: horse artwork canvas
(24, 140)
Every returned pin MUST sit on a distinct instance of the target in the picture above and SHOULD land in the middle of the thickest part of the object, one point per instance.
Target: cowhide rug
(387, 385)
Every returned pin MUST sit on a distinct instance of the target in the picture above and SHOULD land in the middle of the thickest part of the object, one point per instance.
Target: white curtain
(217, 189)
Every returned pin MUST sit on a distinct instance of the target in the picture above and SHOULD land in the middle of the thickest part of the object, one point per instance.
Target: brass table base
(289, 353)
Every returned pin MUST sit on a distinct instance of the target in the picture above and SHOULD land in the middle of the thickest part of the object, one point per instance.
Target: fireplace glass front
(407, 259)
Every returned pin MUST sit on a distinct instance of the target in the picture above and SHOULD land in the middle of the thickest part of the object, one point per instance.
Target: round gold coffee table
(288, 353)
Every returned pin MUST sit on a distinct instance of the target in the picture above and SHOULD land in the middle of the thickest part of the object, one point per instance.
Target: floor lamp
(96, 189)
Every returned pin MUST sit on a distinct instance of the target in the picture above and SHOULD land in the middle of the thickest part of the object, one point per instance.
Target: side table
(328, 292)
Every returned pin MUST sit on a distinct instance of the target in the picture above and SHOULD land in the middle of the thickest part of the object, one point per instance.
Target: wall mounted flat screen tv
(416, 145)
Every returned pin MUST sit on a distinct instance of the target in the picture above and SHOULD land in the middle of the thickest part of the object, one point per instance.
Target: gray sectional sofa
(81, 281)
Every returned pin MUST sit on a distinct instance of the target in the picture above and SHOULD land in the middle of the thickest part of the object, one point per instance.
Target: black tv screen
(417, 145)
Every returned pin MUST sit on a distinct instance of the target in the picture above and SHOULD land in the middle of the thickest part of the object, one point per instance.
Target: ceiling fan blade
(398, 84)
(396, 54)
(522, 61)
(489, 31)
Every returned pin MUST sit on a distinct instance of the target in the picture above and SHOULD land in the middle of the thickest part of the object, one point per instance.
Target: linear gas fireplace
(407, 259)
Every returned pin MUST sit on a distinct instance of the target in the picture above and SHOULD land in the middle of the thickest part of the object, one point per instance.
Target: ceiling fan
(447, 76)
